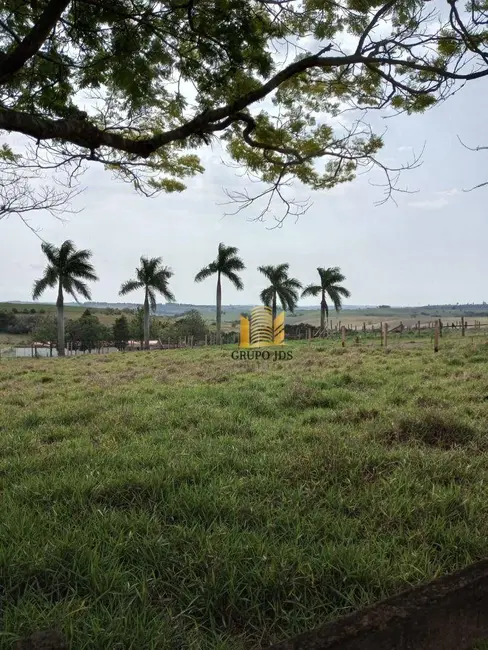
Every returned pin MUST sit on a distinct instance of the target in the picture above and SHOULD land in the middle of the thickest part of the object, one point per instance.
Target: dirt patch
(431, 429)
(302, 396)
(45, 640)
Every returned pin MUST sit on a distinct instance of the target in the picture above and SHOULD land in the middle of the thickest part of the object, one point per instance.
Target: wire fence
(384, 333)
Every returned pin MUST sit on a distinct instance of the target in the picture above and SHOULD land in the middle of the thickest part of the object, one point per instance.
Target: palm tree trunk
(146, 321)
(274, 307)
(60, 316)
(219, 308)
(323, 306)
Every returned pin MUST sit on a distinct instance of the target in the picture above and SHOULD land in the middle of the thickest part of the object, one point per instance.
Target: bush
(121, 333)
(88, 333)
(21, 324)
(45, 330)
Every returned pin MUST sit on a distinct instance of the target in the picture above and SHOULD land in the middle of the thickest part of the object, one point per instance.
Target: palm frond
(41, 285)
(266, 270)
(235, 279)
(130, 285)
(153, 265)
(329, 276)
(80, 270)
(234, 264)
(266, 296)
(51, 252)
(311, 290)
(162, 276)
(345, 293)
(68, 286)
(66, 249)
(206, 272)
(152, 298)
(288, 297)
(282, 269)
(166, 293)
(336, 294)
(82, 255)
(225, 252)
(292, 284)
(148, 269)
(81, 288)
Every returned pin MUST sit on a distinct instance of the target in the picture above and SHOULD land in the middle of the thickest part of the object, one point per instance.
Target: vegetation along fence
(383, 334)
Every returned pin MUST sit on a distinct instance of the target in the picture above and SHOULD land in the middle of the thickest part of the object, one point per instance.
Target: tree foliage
(67, 269)
(227, 263)
(191, 323)
(88, 333)
(328, 285)
(45, 329)
(121, 332)
(139, 86)
(153, 277)
(281, 287)
(136, 326)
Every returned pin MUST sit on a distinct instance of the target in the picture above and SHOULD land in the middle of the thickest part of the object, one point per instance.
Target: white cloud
(432, 204)
(451, 192)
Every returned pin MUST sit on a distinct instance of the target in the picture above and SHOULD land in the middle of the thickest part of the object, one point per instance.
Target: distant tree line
(87, 333)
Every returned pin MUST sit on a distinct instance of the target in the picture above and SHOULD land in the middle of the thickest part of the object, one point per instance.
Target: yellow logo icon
(259, 331)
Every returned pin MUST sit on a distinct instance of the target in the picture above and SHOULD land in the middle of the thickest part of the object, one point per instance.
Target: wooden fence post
(343, 333)
(462, 325)
(436, 335)
(364, 328)
(385, 335)
(418, 327)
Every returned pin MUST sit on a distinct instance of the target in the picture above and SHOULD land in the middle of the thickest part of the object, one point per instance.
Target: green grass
(181, 499)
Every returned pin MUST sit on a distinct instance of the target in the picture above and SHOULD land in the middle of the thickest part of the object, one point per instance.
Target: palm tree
(282, 287)
(329, 279)
(151, 276)
(67, 268)
(227, 264)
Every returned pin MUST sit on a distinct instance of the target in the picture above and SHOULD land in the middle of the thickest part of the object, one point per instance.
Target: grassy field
(182, 499)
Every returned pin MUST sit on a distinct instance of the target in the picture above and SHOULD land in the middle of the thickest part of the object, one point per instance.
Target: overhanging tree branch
(137, 56)
(85, 134)
(32, 43)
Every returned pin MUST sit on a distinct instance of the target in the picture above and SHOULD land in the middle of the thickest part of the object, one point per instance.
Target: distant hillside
(174, 309)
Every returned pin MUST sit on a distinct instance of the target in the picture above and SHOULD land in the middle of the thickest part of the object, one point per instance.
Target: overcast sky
(432, 248)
